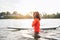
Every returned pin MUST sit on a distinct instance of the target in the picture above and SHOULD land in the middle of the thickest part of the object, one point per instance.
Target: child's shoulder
(36, 19)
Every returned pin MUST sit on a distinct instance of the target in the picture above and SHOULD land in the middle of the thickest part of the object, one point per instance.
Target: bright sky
(25, 6)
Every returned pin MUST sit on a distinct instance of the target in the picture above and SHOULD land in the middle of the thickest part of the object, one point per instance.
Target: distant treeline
(16, 15)
(57, 15)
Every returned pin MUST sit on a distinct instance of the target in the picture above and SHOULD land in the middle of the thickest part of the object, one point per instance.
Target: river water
(13, 34)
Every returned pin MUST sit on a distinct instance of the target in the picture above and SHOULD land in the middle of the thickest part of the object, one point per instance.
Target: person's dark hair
(36, 15)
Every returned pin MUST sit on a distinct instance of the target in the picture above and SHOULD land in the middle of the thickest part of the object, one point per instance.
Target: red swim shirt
(36, 25)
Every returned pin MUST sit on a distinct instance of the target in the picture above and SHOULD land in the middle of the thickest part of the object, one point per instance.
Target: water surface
(12, 34)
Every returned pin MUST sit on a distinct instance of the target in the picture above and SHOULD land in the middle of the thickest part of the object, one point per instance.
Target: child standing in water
(36, 24)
